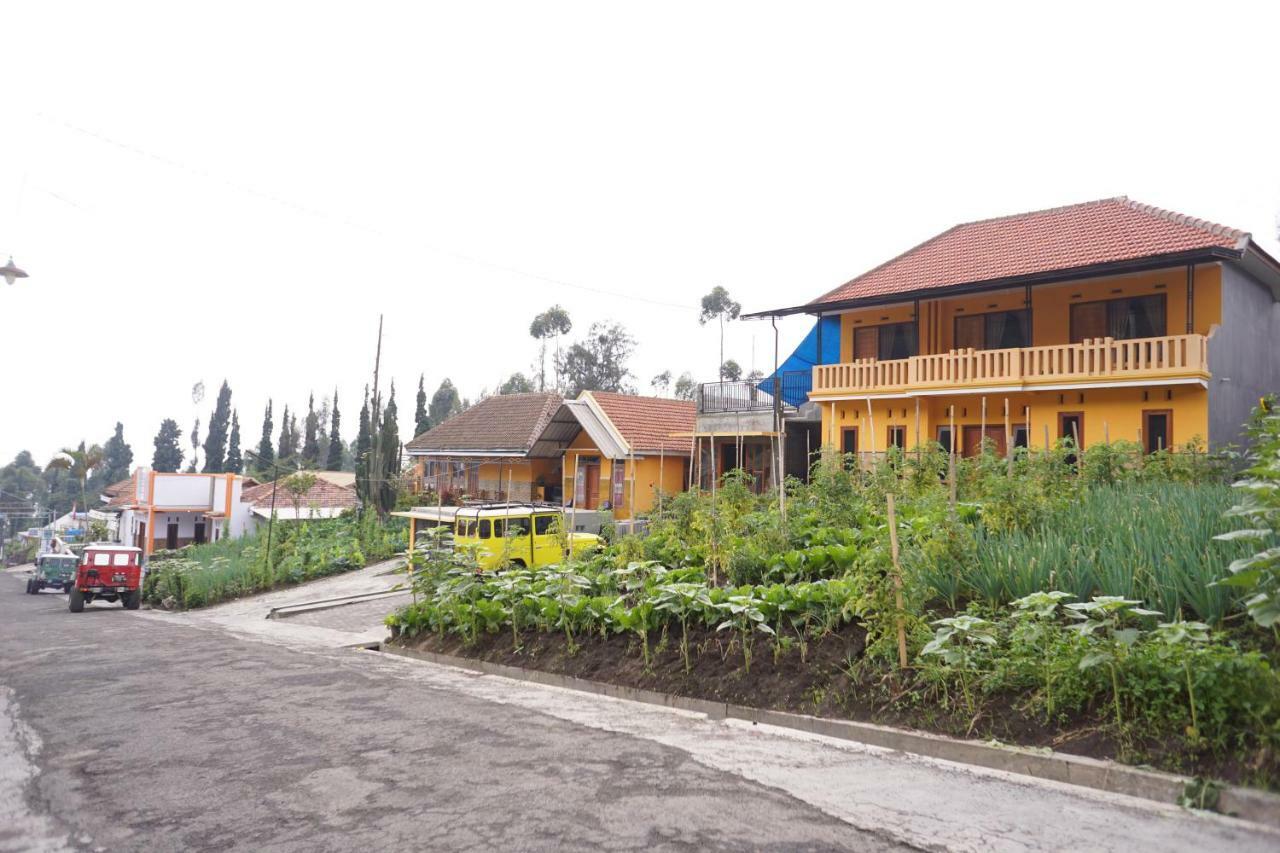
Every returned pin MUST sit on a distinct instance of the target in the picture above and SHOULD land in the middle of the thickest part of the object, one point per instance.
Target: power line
(347, 221)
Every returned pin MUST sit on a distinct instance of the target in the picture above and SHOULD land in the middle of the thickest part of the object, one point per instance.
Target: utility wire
(307, 210)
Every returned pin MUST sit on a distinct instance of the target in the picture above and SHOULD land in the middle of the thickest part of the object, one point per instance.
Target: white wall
(190, 490)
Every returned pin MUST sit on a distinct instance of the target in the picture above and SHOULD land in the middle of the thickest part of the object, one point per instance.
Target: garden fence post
(897, 581)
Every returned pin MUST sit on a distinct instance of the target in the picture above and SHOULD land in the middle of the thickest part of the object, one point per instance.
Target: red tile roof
(123, 493)
(323, 495)
(505, 422)
(647, 423)
(1062, 238)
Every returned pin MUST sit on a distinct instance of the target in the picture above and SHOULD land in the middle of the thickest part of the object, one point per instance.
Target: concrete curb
(1256, 806)
(284, 611)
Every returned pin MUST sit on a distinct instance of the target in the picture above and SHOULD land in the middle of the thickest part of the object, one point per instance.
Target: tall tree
(195, 446)
(79, 463)
(421, 420)
(310, 441)
(334, 460)
(364, 443)
(516, 383)
(731, 371)
(322, 433)
(215, 438)
(717, 305)
(288, 441)
(266, 452)
(388, 456)
(168, 455)
(234, 463)
(117, 457)
(599, 362)
(661, 383)
(551, 323)
(685, 387)
(444, 403)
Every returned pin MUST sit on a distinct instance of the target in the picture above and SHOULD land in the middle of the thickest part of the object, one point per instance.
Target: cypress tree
(422, 420)
(195, 446)
(117, 457)
(234, 464)
(364, 442)
(286, 441)
(215, 439)
(389, 456)
(168, 455)
(266, 452)
(334, 462)
(310, 442)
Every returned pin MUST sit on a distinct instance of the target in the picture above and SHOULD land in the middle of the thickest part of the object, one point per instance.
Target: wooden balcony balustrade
(1095, 360)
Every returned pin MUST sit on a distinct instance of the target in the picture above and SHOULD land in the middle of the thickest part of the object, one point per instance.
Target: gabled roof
(647, 424)
(323, 495)
(506, 424)
(122, 494)
(1095, 237)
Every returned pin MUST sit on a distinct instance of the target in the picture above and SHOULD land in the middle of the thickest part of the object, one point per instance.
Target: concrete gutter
(286, 610)
(1257, 806)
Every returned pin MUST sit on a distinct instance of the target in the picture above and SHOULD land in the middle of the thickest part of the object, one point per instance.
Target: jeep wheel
(76, 601)
(31, 586)
(132, 600)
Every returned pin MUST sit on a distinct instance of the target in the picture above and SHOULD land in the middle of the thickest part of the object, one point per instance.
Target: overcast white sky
(237, 191)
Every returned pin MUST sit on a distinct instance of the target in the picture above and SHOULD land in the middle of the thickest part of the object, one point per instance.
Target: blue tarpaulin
(801, 361)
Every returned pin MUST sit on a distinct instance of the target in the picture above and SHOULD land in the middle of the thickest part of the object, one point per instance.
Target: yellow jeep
(521, 534)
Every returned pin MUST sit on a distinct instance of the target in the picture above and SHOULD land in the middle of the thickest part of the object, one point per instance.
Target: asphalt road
(155, 736)
(221, 730)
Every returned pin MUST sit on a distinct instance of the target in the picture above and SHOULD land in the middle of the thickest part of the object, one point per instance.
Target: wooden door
(199, 539)
(972, 440)
(1157, 429)
(592, 477)
(142, 537)
(171, 536)
(866, 343)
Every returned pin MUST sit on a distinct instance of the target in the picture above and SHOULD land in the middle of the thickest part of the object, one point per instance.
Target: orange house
(621, 451)
(1096, 322)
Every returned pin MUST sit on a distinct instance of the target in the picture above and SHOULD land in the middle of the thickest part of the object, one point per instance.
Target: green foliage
(598, 362)
(206, 574)
(215, 437)
(266, 451)
(1258, 573)
(334, 460)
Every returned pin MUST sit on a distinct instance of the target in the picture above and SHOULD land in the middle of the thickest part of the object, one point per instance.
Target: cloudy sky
(238, 191)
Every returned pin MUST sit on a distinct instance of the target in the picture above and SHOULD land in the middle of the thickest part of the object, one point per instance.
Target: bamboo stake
(1008, 438)
(1106, 433)
(1046, 439)
(573, 510)
(897, 582)
(1075, 437)
(632, 509)
(982, 430)
(871, 419)
(692, 464)
(951, 463)
(714, 472)
(918, 448)
(662, 459)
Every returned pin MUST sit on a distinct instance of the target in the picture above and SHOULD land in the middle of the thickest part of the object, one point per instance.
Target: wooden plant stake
(897, 581)
(951, 464)
(1008, 438)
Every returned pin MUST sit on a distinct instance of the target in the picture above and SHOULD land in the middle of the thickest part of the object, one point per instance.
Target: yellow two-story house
(1098, 322)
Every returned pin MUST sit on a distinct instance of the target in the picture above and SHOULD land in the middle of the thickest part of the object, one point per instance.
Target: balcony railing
(748, 396)
(1092, 360)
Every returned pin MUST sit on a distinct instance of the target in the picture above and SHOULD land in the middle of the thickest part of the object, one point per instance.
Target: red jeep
(110, 572)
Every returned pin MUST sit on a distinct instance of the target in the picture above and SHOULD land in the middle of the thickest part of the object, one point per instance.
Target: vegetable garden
(1101, 602)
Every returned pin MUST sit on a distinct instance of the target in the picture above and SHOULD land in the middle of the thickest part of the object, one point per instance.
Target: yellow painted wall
(1114, 413)
(1050, 307)
(651, 474)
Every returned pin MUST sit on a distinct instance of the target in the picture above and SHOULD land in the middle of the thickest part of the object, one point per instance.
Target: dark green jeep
(53, 571)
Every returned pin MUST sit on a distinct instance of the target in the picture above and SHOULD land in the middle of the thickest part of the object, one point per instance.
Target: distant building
(325, 499)
(164, 510)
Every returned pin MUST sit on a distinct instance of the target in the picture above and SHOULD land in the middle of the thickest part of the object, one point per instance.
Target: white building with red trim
(171, 510)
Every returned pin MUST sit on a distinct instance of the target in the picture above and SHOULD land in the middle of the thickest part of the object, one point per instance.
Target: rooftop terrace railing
(749, 395)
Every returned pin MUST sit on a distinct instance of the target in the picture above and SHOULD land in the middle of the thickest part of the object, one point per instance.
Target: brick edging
(1257, 806)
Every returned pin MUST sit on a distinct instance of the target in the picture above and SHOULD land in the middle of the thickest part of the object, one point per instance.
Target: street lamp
(12, 272)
